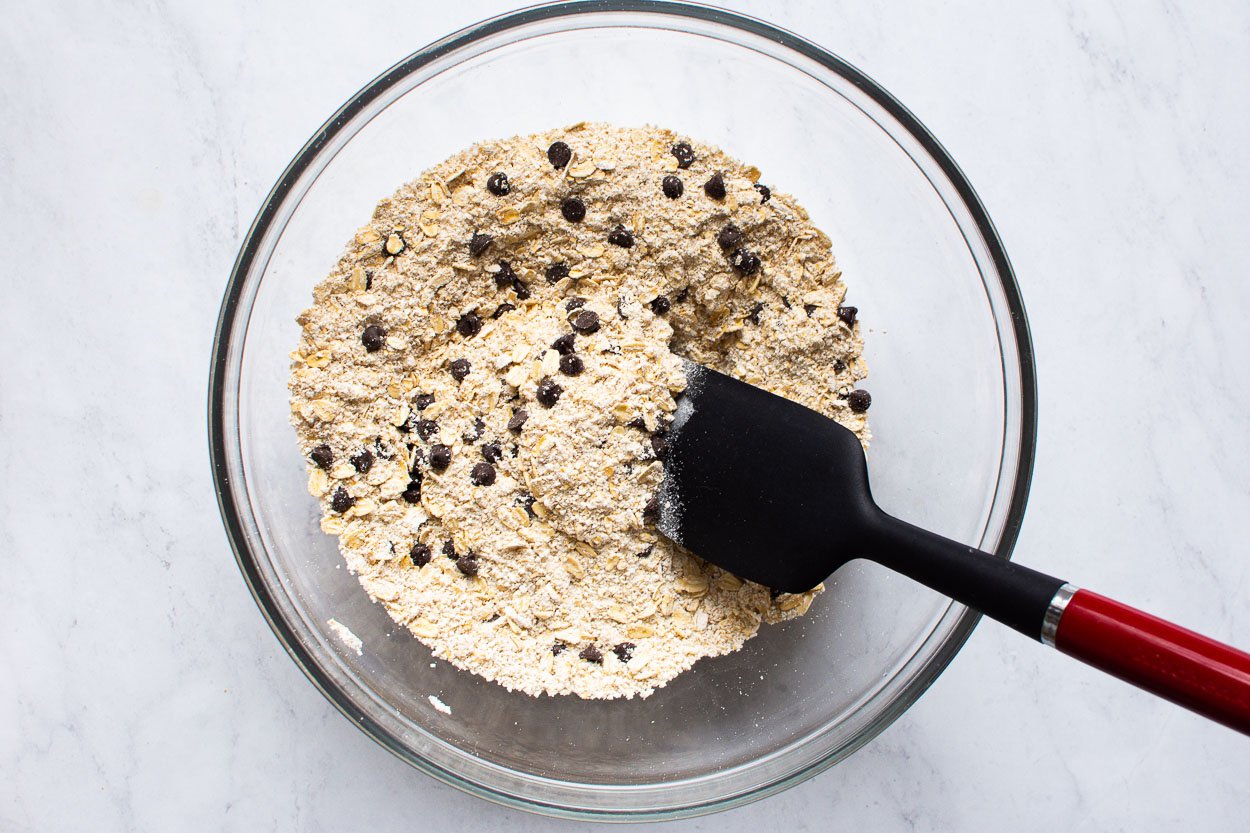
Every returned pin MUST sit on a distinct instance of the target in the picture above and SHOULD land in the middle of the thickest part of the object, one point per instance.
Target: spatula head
(761, 486)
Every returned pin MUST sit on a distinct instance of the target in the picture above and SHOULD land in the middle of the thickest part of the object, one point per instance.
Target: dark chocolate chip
(460, 368)
(381, 449)
(469, 325)
(637, 422)
(449, 549)
(586, 322)
(559, 154)
(564, 344)
(558, 648)
(426, 428)
(440, 457)
(645, 552)
(574, 303)
(682, 295)
(785, 300)
(659, 444)
(483, 474)
(765, 192)
(502, 308)
(373, 338)
(859, 400)
(467, 564)
(505, 277)
(673, 187)
(624, 651)
(621, 236)
(809, 309)
(571, 365)
(423, 401)
(498, 184)
(573, 209)
(420, 555)
(492, 452)
(479, 243)
(368, 279)
(362, 460)
(412, 494)
(341, 501)
(322, 456)
(838, 365)
(527, 501)
(556, 272)
(745, 262)
(715, 186)
(517, 422)
(475, 433)
(521, 289)
(729, 237)
(592, 654)
(754, 316)
(847, 314)
(684, 154)
(548, 392)
(660, 305)
(651, 512)
(393, 244)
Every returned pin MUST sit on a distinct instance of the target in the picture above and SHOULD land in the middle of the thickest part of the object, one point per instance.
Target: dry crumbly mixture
(485, 379)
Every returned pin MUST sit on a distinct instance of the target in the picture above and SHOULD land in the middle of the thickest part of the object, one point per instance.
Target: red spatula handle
(1209, 677)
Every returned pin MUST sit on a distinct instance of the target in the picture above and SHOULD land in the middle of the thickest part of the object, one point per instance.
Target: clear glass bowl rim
(219, 381)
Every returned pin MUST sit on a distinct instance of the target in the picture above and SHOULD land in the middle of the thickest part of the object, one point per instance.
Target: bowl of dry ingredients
(451, 348)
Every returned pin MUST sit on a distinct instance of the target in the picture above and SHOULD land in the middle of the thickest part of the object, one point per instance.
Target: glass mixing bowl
(950, 367)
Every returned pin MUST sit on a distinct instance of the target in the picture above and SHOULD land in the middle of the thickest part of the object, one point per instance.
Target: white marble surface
(140, 688)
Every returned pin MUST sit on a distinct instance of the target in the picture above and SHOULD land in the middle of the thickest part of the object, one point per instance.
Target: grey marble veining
(140, 689)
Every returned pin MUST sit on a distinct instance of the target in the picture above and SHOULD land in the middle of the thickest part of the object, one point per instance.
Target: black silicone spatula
(778, 494)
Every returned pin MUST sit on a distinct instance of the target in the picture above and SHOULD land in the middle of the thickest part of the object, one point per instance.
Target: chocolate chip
(785, 300)
(479, 243)
(449, 549)
(368, 279)
(412, 494)
(440, 457)
(645, 552)
(522, 291)
(637, 422)
(341, 501)
(859, 400)
(362, 460)
(558, 648)
(659, 444)
(426, 428)
(715, 186)
(498, 184)
(467, 564)
(621, 236)
(660, 305)
(847, 314)
(548, 392)
(483, 474)
(517, 422)
(754, 316)
(745, 262)
(729, 237)
(571, 365)
(381, 449)
(624, 651)
(502, 308)
(592, 654)
(559, 154)
(574, 303)
(460, 368)
(469, 325)
(373, 338)
(684, 154)
(418, 460)
(673, 187)
(492, 452)
(586, 322)
(505, 277)
(765, 192)
(573, 209)
(420, 555)
(475, 433)
(393, 245)
(556, 272)
(682, 295)
(423, 401)
(322, 456)
(651, 512)
(809, 309)
(564, 344)
(838, 365)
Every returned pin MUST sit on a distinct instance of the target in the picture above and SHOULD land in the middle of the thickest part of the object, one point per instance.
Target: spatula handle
(1208, 677)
